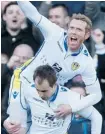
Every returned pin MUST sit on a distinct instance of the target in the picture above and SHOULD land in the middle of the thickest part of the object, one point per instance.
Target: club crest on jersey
(75, 66)
(15, 94)
(86, 52)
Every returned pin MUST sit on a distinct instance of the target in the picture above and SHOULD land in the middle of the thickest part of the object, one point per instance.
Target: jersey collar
(53, 97)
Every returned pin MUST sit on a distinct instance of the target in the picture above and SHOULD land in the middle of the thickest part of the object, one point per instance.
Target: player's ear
(87, 35)
(67, 20)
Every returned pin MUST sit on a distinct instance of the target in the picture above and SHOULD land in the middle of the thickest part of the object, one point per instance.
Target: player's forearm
(96, 122)
(82, 103)
(95, 117)
(30, 11)
(95, 89)
(93, 97)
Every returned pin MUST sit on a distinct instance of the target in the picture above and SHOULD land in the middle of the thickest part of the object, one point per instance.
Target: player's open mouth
(73, 39)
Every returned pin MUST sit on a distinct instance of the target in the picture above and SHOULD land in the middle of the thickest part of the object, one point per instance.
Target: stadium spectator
(94, 12)
(59, 15)
(21, 53)
(99, 58)
(73, 6)
(13, 35)
(56, 13)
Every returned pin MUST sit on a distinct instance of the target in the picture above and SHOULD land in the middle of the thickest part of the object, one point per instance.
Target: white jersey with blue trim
(55, 52)
(43, 116)
(66, 65)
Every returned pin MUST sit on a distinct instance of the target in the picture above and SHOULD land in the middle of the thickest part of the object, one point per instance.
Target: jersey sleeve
(95, 117)
(17, 108)
(47, 28)
(91, 81)
(81, 106)
(77, 102)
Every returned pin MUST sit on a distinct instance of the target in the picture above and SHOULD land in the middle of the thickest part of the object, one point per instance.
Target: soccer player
(43, 98)
(65, 52)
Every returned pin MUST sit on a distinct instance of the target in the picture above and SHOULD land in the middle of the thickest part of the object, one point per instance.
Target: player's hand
(63, 110)
(12, 128)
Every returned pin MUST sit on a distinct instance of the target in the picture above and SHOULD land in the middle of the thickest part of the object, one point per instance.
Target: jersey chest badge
(75, 66)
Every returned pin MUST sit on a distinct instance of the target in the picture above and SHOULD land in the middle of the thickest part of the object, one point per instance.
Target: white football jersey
(43, 117)
(54, 51)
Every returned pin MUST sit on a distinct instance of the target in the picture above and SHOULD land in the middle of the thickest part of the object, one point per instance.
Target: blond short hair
(84, 18)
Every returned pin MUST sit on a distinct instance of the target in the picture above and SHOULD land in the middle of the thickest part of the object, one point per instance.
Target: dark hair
(72, 83)
(45, 72)
(61, 5)
(9, 4)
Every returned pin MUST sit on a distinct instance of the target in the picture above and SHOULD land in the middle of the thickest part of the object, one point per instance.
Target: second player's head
(45, 81)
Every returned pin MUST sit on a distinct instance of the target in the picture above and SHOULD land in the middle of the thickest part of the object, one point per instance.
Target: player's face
(76, 34)
(13, 17)
(58, 16)
(43, 89)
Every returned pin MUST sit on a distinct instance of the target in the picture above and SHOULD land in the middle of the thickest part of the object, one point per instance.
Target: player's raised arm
(47, 28)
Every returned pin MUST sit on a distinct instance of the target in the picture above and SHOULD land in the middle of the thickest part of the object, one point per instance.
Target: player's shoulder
(67, 90)
(85, 54)
(63, 89)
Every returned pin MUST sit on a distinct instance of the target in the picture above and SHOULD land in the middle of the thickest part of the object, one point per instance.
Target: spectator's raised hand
(13, 62)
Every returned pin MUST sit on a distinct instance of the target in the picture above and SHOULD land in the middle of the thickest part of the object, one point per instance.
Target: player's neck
(75, 51)
(55, 92)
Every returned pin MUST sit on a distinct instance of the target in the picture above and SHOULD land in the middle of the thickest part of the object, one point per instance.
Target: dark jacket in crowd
(6, 75)
(8, 42)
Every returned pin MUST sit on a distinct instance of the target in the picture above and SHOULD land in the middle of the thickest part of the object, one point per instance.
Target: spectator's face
(98, 36)
(24, 53)
(43, 89)
(13, 17)
(76, 34)
(58, 16)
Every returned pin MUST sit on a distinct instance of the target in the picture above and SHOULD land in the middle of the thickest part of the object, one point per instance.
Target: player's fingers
(59, 114)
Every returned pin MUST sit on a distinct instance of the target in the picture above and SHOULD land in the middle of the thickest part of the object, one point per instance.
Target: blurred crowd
(20, 40)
